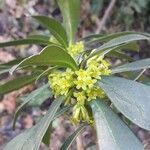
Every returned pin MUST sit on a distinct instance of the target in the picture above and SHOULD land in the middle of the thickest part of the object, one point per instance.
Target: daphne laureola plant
(83, 83)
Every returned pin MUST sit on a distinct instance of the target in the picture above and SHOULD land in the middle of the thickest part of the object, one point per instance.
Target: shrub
(83, 82)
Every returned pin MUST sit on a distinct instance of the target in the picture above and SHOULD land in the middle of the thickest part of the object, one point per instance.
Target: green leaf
(71, 13)
(46, 138)
(5, 67)
(38, 39)
(55, 28)
(36, 98)
(137, 65)
(118, 43)
(4, 71)
(112, 132)
(17, 83)
(66, 145)
(50, 55)
(46, 72)
(131, 98)
(120, 55)
(10, 63)
(31, 138)
(106, 38)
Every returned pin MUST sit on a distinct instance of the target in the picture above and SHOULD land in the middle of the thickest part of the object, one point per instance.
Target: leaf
(117, 42)
(119, 55)
(5, 67)
(38, 39)
(71, 13)
(50, 55)
(36, 98)
(46, 138)
(46, 72)
(17, 83)
(31, 138)
(131, 98)
(106, 38)
(137, 65)
(66, 145)
(10, 63)
(112, 132)
(55, 28)
(4, 71)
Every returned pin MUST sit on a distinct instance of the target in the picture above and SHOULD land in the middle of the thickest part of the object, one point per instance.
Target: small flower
(84, 80)
(76, 49)
(81, 83)
(80, 113)
(80, 96)
(94, 93)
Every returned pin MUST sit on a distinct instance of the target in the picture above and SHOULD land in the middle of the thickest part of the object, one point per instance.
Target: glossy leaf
(32, 138)
(71, 13)
(50, 55)
(55, 28)
(117, 42)
(66, 145)
(106, 38)
(36, 98)
(131, 98)
(17, 83)
(38, 39)
(137, 65)
(112, 132)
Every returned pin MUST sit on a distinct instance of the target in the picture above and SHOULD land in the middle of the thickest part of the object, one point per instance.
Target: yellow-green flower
(81, 83)
(84, 79)
(80, 113)
(94, 93)
(76, 49)
(80, 96)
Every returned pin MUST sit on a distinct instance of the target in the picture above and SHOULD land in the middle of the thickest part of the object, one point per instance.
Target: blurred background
(97, 16)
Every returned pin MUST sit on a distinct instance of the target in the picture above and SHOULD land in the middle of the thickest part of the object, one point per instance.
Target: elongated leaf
(137, 65)
(11, 63)
(46, 72)
(3, 71)
(17, 83)
(50, 55)
(31, 138)
(66, 145)
(71, 13)
(55, 28)
(5, 67)
(46, 138)
(131, 98)
(112, 132)
(106, 38)
(37, 97)
(120, 55)
(38, 39)
(105, 48)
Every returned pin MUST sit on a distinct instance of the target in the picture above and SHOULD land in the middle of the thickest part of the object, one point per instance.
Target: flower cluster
(75, 49)
(82, 81)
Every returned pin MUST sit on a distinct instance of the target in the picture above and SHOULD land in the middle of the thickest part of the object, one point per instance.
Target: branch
(107, 13)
